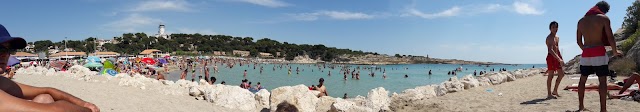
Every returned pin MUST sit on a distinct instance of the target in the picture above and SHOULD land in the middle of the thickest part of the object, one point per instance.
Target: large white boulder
(470, 82)
(300, 96)
(453, 85)
(51, 72)
(203, 82)
(415, 94)
(510, 77)
(484, 81)
(196, 91)
(378, 99)
(262, 99)
(230, 97)
(324, 104)
(183, 83)
(167, 82)
(520, 73)
(497, 78)
(131, 81)
(440, 90)
(342, 105)
(79, 70)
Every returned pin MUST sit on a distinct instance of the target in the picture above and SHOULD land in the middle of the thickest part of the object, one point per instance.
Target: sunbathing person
(635, 78)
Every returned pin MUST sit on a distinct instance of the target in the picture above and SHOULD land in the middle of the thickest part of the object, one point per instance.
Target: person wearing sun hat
(17, 97)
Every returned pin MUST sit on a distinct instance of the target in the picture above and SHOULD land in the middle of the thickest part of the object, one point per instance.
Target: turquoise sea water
(337, 86)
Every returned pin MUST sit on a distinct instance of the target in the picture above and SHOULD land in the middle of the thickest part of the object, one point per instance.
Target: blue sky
(498, 31)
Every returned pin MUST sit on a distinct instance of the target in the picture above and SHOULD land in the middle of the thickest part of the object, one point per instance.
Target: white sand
(110, 97)
(522, 95)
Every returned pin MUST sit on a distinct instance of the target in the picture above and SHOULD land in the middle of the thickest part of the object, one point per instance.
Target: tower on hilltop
(161, 32)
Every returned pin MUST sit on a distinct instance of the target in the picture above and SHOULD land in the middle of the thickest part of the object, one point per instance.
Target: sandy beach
(523, 95)
(500, 91)
(111, 97)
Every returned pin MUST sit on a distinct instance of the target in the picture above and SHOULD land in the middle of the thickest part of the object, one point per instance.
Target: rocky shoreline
(300, 96)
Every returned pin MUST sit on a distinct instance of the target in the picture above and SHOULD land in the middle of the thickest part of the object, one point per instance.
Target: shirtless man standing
(17, 97)
(554, 60)
(205, 70)
(322, 88)
(595, 27)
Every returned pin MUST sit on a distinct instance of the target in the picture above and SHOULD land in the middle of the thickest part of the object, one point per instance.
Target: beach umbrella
(126, 62)
(167, 57)
(91, 59)
(162, 61)
(148, 60)
(13, 61)
(92, 65)
(108, 64)
(58, 64)
(109, 71)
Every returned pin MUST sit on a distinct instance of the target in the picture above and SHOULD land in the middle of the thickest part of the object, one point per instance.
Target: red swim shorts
(552, 63)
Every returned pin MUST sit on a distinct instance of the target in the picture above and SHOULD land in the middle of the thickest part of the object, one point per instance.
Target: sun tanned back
(592, 29)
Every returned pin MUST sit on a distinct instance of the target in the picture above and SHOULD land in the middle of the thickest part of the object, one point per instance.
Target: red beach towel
(595, 10)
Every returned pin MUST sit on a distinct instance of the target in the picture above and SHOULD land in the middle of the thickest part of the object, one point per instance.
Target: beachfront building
(25, 55)
(154, 53)
(241, 53)
(219, 53)
(67, 55)
(266, 55)
(106, 54)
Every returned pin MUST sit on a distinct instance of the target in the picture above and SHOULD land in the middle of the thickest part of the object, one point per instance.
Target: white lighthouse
(161, 32)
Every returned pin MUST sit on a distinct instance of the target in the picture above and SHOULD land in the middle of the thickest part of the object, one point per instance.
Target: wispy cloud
(526, 8)
(162, 5)
(267, 3)
(131, 23)
(338, 15)
(453, 11)
(530, 7)
(200, 31)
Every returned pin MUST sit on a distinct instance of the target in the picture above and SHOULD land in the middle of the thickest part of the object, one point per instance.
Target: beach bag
(636, 95)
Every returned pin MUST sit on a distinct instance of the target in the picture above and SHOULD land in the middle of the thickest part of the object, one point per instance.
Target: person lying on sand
(593, 86)
(635, 78)
(17, 97)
